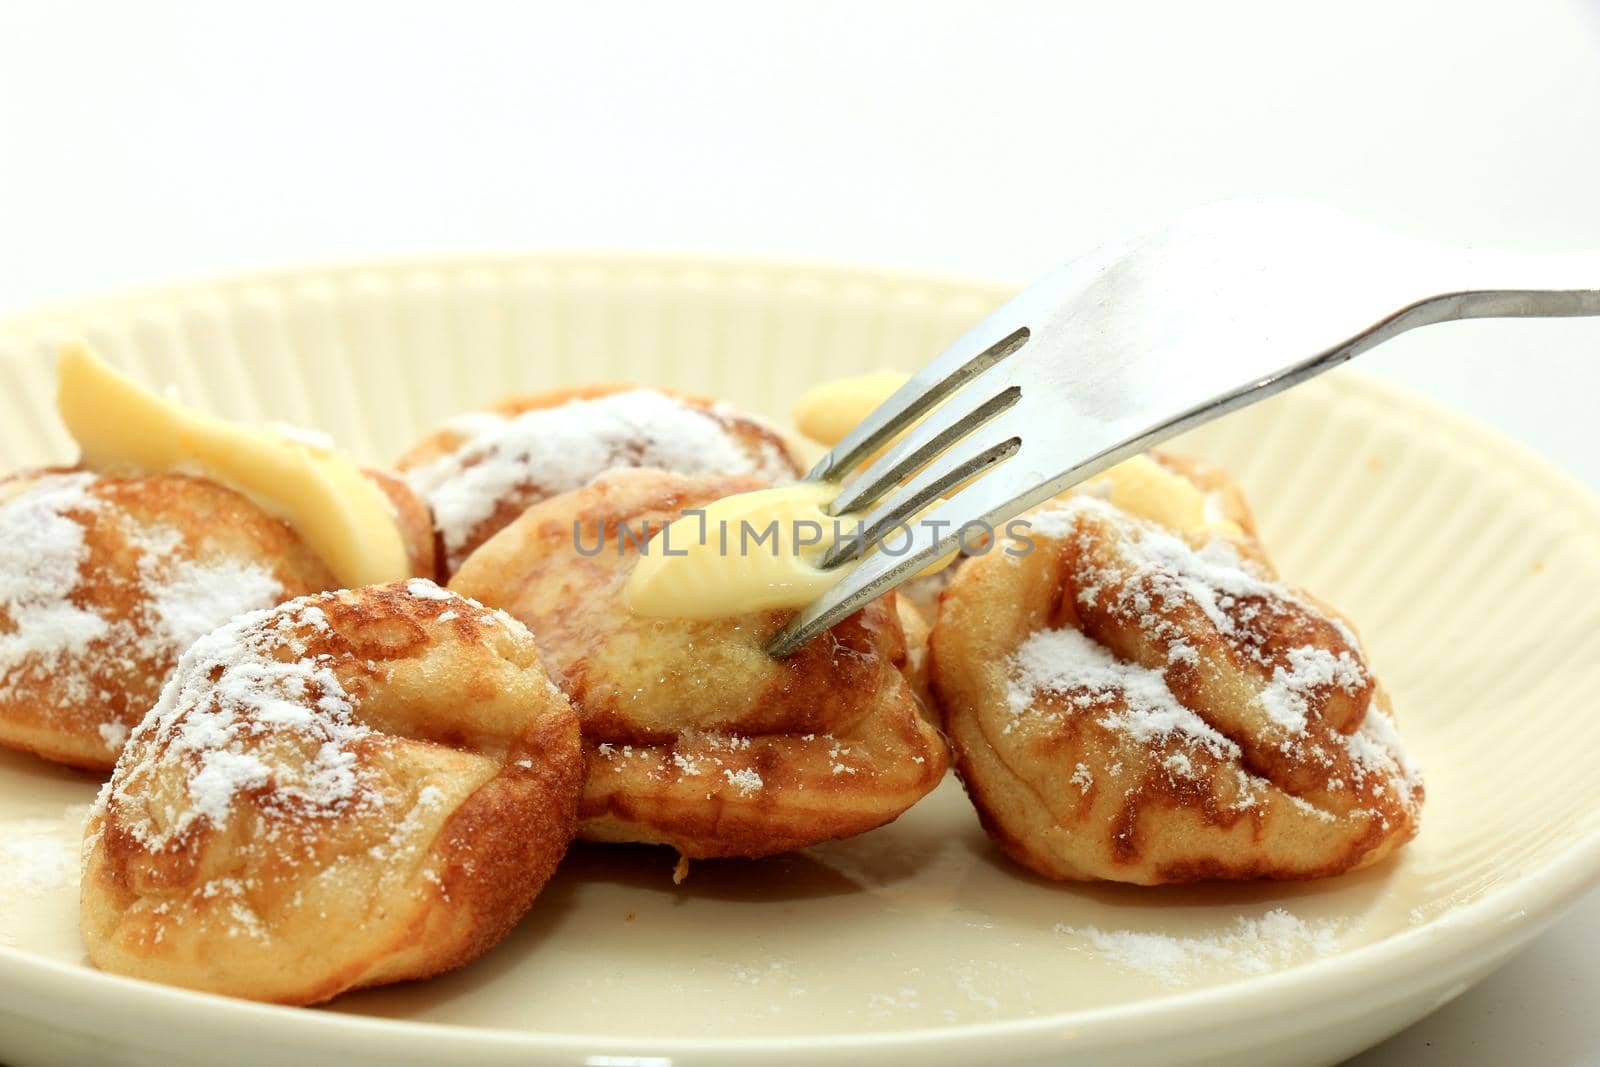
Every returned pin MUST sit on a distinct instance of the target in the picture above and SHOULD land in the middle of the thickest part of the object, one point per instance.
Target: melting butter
(1143, 487)
(828, 411)
(709, 565)
(748, 552)
(754, 551)
(342, 515)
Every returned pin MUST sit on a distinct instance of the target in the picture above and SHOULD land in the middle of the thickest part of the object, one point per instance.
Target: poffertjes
(481, 470)
(1144, 701)
(695, 737)
(105, 580)
(350, 789)
(914, 625)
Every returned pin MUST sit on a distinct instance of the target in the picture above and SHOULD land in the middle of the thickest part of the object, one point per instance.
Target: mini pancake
(349, 789)
(481, 470)
(1134, 703)
(105, 580)
(697, 738)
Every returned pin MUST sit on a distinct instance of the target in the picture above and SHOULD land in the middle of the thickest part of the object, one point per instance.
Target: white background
(150, 141)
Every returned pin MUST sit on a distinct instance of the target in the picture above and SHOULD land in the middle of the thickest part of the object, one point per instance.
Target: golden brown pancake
(105, 580)
(481, 470)
(350, 789)
(696, 737)
(1132, 703)
(917, 632)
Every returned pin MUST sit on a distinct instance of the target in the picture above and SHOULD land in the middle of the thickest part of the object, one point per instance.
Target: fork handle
(1491, 285)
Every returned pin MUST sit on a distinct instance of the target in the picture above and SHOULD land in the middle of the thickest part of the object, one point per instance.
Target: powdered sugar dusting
(705, 755)
(174, 597)
(556, 450)
(40, 856)
(423, 589)
(113, 734)
(36, 863)
(1286, 698)
(1214, 577)
(1135, 699)
(1159, 573)
(1138, 574)
(188, 597)
(42, 552)
(243, 698)
(1376, 749)
(745, 780)
(1055, 520)
(1249, 946)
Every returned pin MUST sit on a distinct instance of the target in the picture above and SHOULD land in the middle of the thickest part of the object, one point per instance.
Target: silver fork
(1137, 341)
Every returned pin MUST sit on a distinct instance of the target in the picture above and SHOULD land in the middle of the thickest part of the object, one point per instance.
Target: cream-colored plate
(1473, 569)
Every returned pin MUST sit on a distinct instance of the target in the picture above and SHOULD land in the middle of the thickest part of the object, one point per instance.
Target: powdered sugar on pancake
(1375, 749)
(247, 708)
(1159, 573)
(1154, 576)
(1287, 696)
(423, 589)
(1134, 700)
(555, 450)
(42, 551)
(189, 597)
(60, 637)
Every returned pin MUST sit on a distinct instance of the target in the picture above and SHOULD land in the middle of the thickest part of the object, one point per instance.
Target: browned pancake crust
(1070, 797)
(697, 738)
(754, 437)
(464, 769)
(57, 706)
(72, 709)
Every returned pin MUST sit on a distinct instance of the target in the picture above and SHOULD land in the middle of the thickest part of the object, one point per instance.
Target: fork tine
(981, 347)
(1136, 341)
(923, 443)
(951, 469)
(877, 573)
(991, 494)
